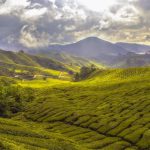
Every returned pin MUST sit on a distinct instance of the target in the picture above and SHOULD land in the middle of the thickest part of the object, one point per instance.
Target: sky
(38, 23)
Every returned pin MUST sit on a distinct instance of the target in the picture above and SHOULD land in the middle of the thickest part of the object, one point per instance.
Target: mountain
(91, 48)
(107, 53)
(132, 60)
(136, 48)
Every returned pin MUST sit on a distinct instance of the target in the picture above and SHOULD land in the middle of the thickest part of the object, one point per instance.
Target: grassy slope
(72, 62)
(6, 69)
(42, 83)
(110, 111)
(60, 62)
(21, 58)
(12, 64)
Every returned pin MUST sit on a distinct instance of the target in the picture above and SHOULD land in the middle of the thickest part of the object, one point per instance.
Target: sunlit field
(109, 110)
(42, 83)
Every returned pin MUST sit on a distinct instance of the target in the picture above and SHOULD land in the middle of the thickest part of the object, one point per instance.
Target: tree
(84, 72)
(77, 77)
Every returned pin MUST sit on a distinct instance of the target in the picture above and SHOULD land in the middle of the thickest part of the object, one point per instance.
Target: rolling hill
(25, 66)
(25, 59)
(42, 61)
(101, 112)
(108, 110)
(69, 60)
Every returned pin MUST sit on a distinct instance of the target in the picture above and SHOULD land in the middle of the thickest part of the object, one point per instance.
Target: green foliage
(85, 71)
(16, 135)
(21, 65)
(109, 110)
(12, 97)
(6, 81)
(22, 58)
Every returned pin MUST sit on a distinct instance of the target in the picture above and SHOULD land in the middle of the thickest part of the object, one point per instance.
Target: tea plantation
(110, 110)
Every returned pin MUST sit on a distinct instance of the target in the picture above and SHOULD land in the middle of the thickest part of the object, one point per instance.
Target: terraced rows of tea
(109, 111)
(17, 135)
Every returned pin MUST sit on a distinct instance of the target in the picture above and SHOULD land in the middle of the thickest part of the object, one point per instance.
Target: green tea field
(110, 110)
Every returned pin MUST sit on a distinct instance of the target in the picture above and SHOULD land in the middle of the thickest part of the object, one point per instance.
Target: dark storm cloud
(38, 23)
(9, 26)
(42, 2)
(2, 2)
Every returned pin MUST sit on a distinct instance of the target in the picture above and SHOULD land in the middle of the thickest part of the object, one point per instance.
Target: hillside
(100, 114)
(24, 66)
(71, 61)
(22, 58)
(16, 135)
(49, 64)
(132, 60)
(109, 110)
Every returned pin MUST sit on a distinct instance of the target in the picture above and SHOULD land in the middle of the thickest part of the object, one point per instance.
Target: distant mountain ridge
(93, 48)
(132, 60)
(133, 47)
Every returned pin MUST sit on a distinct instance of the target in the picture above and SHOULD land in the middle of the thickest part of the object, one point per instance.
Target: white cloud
(97, 5)
(40, 22)
(33, 14)
(31, 38)
(13, 5)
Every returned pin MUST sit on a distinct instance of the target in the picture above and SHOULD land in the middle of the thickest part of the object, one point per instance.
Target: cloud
(38, 23)
(143, 4)
(10, 26)
(30, 37)
(13, 6)
(33, 14)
